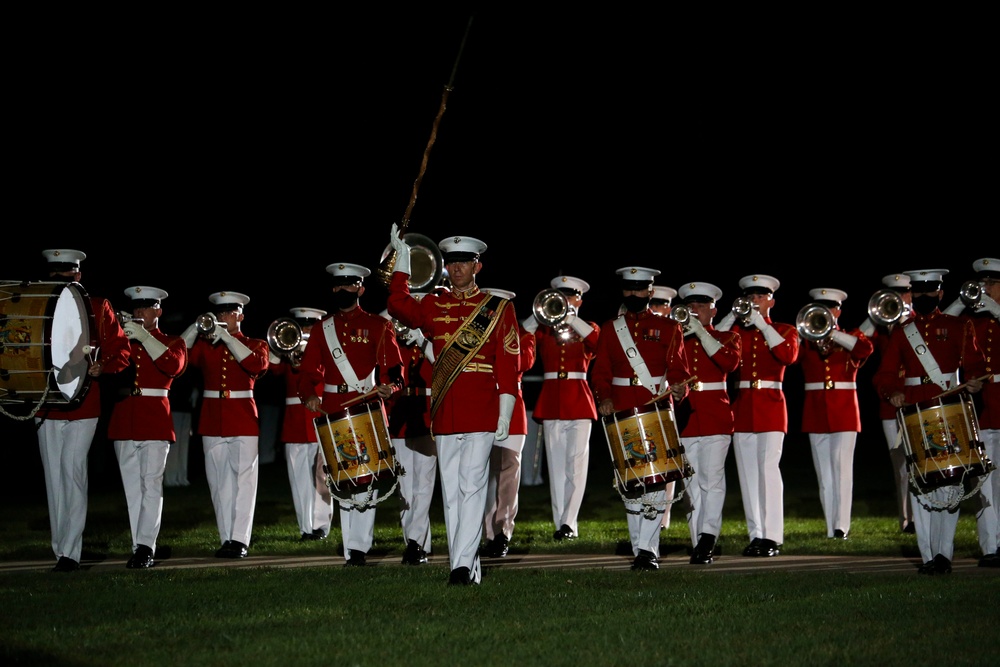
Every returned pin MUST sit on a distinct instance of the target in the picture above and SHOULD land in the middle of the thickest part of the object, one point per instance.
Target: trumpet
(971, 294)
(742, 309)
(551, 308)
(815, 323)
(207, 322)
(286, 338)
(680, 314)
(886, 307)
(125, 318)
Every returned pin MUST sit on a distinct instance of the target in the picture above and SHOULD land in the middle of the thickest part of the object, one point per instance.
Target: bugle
(680, 314)
(971, 294)
(886, 307)
(207, 322)
(743, 307)
(815, 323)
(286, 338)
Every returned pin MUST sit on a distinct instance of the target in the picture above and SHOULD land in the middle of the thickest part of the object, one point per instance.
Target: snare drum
(942, 442)
(645, 447)
(45, 342)
(356, 446)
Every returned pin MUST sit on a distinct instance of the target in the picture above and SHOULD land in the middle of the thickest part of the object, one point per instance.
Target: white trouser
(418, 457)
(357, 521)
(833, 459)
(464, 469)
(301, 462)
(532, 454)
(988, 516)
(323, 505)
(936, 528)
(567, 455)
(176, 472)
(897, 456)
(231, 469)
(665, 519)
(142, 463)
(757, 459)
(706, 488)
(502, 488)
(642, 532)
(64, 446)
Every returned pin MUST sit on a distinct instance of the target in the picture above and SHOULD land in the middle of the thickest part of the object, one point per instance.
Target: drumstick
(960, 387)
(690, 380)
(359, 398)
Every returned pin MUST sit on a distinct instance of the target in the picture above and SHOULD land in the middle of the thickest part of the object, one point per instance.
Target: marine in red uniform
(658, 344)
(351, 353)
(949, 347)
(230, 362)
(141, 425)
(66, 433)
(313, 508)
(760, 413)
(409, 412)
(505, 459)
(708, 433)
(474, 388)
(879, 335)
(661, 303)
(830, 412)
(565, 405)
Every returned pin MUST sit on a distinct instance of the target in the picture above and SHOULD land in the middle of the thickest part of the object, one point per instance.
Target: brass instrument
(207, 322)
(971, 294)
(815, 323)
(886, 307)
(551, 308)
(286, 338)
(743, 307)
(680, 314)
(125, 318)
(426, 263)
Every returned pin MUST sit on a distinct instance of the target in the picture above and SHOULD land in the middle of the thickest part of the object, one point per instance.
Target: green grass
(401, 616)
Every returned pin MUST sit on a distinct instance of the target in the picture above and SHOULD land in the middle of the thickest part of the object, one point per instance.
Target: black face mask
(636, 304)
(925, 303)
(343, 299)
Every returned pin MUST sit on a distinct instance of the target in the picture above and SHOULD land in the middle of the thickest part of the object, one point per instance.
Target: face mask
(925, 303)
(343, 299)
(636, 304)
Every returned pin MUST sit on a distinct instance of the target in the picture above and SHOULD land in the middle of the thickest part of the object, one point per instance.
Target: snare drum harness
(343, 363)
(924, 355)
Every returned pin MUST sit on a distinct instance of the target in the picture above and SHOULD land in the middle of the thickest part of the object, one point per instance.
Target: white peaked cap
(828, 294)
(759, 280)
(569, 282)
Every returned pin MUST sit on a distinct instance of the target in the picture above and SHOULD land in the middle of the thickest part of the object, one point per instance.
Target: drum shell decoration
(356, 446)
(645, 447)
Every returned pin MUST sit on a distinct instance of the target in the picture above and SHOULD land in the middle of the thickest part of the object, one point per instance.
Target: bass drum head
(70, 340)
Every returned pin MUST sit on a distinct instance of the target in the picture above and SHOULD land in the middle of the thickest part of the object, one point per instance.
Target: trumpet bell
(886, 307)
(207, 322)
(426, 263)
(550, 307)
(814, 322)
(284, 335)
(971, 294)
(680, 314)
(742, 307)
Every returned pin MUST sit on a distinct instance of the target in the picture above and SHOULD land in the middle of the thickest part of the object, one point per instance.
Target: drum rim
(645, 409)
(935, 403)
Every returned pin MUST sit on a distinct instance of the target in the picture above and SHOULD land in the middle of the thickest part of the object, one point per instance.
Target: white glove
(428, 348)
(990, 306)
(414, 337)
(190, 335)
(757, 320)
(771, 335)
(402, 251)
(867, 327)
(844, 340)
(135, 331)
(506, 412)
(707, 340)
(955, 308)
(272, 358)
(239, 350)
(530, 324)
(693, 326)
(581, 326)
(727, 322)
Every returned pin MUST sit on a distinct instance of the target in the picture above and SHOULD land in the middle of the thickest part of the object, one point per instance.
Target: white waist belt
(629, 382)
(759, 384)
(342, 388)
(813, 386)
(951, 378)
(158, 393)
(245, 393)
(293, 400)
(996, 378)
(565, 375)
(708, 386)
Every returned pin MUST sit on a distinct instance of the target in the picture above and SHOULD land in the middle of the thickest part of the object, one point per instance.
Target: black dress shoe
(319, 534)
(910, 528)
(232, 549)
(927, 568)
(414, 554)
(839, 534)
(753, 549)
(990, 560)
(65, 564)
(564, 533)
(225, 550)
(768, 548)
(142, 558)
(357, 558)
(460, 576)
(646, 560)
(942, 565)
(704, 550)
(497, 547)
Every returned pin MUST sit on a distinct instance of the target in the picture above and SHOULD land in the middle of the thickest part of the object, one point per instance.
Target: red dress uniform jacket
(660, 341)
(228, 416)
(565, 398)
(297, 424)
(140, 416)
(832, 410)
(409, 410)
(763, 410)
(369, 341)
(881, 340)
(952, 342)
(114, 353)
(472, 404)
(988, 339)
(711, 413)
(519, 419)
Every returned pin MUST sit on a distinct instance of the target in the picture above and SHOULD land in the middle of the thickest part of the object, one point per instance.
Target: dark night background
(246, 155)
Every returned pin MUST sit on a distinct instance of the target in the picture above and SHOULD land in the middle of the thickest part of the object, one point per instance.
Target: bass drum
(46, 341)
